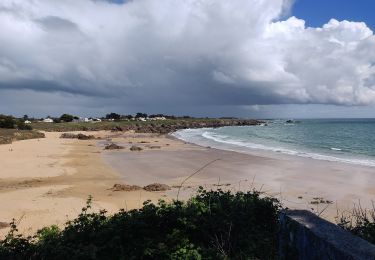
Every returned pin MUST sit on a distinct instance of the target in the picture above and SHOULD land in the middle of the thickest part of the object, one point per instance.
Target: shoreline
(272, 151)
(300, 183)
(47, 182)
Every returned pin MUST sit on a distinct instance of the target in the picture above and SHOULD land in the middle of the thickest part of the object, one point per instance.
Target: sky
(318, 12)
(246, 58)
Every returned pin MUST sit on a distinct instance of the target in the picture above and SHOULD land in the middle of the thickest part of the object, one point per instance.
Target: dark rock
(157, 187)
(113, 146)
(135, 148)
(77, 136)
(4, 225)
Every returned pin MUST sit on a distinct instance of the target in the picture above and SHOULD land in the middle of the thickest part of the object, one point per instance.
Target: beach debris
(77, 136)
(155, 147)
(4, 225)
(135, 148)
(157, 187)
(30, 182)
(319, 200)
(144, 142)
(113, 146)
(220, 185)
(125, 187)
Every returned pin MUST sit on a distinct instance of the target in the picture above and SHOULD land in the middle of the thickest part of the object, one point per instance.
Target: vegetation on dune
(7, 136)
(360, 222)
(211, 225)
(161, 126)
(12, 129)
(7, 122)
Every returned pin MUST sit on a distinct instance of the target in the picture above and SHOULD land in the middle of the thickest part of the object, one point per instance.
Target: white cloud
(184, 51)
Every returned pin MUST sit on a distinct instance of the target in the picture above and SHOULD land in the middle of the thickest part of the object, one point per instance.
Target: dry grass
(7, 136)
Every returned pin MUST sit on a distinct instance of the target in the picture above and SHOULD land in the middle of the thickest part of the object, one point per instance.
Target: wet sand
(297, 182)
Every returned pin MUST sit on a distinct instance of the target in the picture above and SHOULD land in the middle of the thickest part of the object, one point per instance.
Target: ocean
(341, 140)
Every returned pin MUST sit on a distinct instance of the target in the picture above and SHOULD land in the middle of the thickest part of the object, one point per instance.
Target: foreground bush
(212, 225)
(360, 222)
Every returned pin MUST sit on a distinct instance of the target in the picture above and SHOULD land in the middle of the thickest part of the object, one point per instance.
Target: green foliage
(138, 115)
(360, 222)
(7, 122)
(22, 126)
(66, 118)
(212, 225)
(114, 116)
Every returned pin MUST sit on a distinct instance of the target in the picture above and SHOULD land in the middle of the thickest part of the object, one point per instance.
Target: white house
(160, 118)
(48, 120)
(27, 122)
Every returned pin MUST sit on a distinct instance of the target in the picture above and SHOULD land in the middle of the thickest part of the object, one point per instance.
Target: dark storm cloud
(183, 53)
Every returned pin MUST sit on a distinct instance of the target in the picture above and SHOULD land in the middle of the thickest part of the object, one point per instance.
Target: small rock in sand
(4, 225)
(157, 187)
(135, 148)
(113, 146)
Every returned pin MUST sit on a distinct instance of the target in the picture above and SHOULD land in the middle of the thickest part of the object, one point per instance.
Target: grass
(7, 136)
(157, 125)
(86, 126)
(360, 222)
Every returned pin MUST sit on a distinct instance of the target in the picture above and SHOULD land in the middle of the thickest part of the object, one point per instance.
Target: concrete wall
(306, 236)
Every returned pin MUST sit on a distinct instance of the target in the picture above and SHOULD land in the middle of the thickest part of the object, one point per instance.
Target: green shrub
(22, 126)
(360, 222)
(66, 118)
(7, 122)
(212, 225)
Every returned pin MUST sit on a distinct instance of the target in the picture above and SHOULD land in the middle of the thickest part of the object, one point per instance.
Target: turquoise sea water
(343, 140)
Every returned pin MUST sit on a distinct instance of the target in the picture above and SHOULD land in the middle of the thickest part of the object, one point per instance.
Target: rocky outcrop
(77, 136)
(125, 187)
(165, 128)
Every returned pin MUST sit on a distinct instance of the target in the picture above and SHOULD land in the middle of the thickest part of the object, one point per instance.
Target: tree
(7, 121)
(127, 117)
(25, 117)
(138, 115)
(113, 116)
(66, 118)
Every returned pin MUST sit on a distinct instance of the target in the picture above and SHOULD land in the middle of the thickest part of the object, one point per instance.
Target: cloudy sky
(254, 58)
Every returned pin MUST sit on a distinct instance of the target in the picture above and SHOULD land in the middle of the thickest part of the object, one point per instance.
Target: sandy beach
(47, 181)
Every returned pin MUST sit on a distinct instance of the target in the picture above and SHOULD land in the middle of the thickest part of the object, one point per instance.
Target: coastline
(301, 183)
(47, 181)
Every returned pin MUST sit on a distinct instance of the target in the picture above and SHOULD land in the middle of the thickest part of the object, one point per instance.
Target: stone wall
(306, 236)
